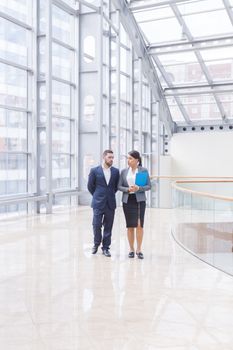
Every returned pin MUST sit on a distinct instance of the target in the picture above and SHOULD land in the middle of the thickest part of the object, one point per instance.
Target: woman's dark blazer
(124, 187)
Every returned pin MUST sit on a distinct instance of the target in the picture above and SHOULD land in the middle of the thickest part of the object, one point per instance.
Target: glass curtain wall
(116, 111)
(38, 108)
(16, 102)
(131, 122)
(131, 111)
(71, 86)
(57, 100)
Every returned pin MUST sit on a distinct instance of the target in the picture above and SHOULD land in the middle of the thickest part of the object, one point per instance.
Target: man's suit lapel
(102, 173)
(111, 176)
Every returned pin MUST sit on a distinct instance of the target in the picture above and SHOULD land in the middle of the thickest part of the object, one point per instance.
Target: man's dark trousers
(103, 217)
(103, 203)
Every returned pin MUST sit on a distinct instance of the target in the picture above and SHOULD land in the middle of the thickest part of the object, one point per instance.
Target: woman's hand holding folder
(133, 188)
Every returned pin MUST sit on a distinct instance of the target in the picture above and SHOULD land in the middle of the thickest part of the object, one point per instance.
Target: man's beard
(108, 163)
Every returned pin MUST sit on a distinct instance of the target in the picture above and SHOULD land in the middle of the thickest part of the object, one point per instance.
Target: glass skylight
(191, 45)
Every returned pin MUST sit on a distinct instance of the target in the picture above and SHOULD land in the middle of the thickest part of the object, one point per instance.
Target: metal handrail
(35, 198)
(200, 193)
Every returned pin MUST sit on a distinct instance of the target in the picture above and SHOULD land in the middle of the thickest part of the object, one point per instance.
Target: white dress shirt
(131, 176)
(107, 173)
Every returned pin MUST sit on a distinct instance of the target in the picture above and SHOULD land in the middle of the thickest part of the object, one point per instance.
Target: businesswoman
(134, 200)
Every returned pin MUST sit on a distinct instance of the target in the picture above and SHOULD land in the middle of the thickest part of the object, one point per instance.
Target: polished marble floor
(55, 295)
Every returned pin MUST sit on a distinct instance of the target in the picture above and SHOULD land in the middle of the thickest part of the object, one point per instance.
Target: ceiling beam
(197, 93)
(198, 86)
(188, 47)
(205, 125)
(151, 6)
(193, 41)
(228, 8)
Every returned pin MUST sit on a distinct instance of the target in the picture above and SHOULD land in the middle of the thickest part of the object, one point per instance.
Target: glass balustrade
(203, 220)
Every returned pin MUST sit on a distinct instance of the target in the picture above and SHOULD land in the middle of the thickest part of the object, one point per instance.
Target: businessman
(102, 184)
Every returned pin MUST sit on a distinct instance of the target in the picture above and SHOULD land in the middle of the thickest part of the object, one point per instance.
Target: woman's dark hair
(136, 155)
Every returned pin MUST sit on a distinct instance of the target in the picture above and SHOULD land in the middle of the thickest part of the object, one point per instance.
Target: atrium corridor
(56, 295)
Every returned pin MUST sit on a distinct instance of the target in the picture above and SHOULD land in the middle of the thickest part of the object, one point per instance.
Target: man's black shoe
(95, 249)
(106, 252)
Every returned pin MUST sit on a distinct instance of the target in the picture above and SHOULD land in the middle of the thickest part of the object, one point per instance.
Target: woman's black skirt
(134, 211)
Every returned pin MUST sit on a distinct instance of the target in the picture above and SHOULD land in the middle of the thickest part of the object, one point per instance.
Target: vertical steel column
(100, 131)
(158, 150)
(32, 105)
(77, 159)
(37, 111)
(131, 100)
(106, 109)
(90, 78)
(40, 156)
(118, 90)
(140, 107)
(149, 142)
(48, 87)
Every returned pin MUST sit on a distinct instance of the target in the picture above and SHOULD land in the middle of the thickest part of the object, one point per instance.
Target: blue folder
(141, 179)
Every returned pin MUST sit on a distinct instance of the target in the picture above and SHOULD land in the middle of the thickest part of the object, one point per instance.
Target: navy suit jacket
(103, 194)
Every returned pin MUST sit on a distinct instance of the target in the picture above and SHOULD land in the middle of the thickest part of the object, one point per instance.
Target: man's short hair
(107, 151)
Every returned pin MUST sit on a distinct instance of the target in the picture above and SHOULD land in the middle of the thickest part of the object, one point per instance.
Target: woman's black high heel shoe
(131, 255)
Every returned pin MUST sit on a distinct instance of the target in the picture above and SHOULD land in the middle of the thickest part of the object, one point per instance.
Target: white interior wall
(196, 154)
(165, 184)
(207, 154)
